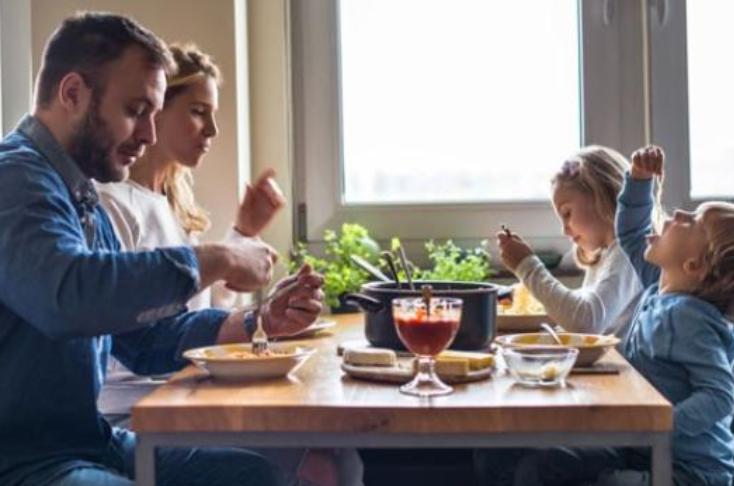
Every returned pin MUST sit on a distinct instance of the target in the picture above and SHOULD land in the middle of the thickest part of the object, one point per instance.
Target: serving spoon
(547, 328)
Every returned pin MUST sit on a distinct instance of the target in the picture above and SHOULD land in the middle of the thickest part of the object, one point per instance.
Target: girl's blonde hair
(191, 65)
(717, 286)
(598, 172)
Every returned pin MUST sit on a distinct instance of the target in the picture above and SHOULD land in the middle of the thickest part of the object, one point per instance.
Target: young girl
(156, 207)
(679, 338)
(584, 195)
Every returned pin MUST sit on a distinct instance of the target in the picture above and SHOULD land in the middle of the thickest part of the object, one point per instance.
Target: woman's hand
(262, 201)
(513, 249)
(647, 162)
(298, 307)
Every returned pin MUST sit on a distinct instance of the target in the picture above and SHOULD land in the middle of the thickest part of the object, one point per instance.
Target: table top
(318, 397)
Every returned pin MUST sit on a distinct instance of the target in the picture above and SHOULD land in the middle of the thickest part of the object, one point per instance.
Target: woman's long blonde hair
(717, 286)
(598, 172)
(178, 183)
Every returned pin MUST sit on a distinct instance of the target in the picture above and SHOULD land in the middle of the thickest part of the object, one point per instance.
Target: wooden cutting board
(404, 372)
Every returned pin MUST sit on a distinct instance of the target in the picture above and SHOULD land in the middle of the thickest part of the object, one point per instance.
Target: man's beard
(91, 147)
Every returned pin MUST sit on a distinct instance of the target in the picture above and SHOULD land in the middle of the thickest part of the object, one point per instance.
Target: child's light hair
(598, 172)
(178, 184)
(717, 286)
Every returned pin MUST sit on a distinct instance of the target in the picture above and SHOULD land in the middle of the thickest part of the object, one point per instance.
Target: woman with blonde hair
(584, 196)
(156, 207)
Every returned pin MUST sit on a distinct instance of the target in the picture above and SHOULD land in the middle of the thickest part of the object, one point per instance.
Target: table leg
(662, 463)
(144, 461)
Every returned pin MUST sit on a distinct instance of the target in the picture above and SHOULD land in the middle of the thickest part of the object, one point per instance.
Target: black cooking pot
(478, 314)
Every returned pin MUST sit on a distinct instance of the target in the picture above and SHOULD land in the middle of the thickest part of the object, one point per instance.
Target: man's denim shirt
(69, 297)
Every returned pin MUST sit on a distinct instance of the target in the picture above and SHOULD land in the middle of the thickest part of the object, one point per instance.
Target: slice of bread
(475, 360)
(370, 357)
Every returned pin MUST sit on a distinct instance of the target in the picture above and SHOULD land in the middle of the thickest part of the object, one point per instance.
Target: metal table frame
(659, 442)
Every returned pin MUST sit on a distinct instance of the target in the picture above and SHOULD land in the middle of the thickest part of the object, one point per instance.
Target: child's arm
(634, 209)
(696, 345)
(592, 308)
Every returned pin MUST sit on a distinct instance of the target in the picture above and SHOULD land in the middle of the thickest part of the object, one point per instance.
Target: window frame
(609, 38)
(669, 104)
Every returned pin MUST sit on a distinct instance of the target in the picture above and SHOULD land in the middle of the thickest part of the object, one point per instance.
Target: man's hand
(262, 201)
(513, 249)
(647, 162)
(244, 266)
(295, 308)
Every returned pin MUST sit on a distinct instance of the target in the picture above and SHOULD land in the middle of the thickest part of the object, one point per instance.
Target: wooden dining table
(319, 406)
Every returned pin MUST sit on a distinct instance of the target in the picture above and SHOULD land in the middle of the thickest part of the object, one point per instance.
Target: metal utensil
(387, 256)
(369, 268)
(404, 263)
(276, 292)
(259, 338)
(547, 328)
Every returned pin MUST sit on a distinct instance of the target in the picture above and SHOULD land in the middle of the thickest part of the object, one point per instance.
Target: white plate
(221, 364)
(312, 330)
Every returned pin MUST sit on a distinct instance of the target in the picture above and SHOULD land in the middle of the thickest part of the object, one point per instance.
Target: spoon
(369, 268)
(387, 256)
(404, 263)
(547, 328)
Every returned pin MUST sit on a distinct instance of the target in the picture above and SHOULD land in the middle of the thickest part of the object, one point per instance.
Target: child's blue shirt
(684, 346)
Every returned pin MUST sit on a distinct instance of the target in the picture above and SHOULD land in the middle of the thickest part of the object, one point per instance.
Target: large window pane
(461, 100)
(711, 97)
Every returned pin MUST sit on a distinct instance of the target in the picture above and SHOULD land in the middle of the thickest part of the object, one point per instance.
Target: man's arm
(52, 280)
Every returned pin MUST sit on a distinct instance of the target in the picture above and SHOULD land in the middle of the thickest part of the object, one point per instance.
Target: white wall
(269, 106)
(15, 62)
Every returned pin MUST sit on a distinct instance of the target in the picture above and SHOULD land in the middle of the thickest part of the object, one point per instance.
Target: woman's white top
(604, 303)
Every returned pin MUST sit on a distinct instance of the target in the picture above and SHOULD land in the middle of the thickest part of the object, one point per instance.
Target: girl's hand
(513, 249)
(262, 201)
(647, 162)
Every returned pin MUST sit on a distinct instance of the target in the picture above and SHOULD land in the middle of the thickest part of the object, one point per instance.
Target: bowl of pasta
(591, 346)
(237, 362)
(520, 312)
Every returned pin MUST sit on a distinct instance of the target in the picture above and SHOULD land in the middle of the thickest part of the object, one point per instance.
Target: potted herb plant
(341, 276)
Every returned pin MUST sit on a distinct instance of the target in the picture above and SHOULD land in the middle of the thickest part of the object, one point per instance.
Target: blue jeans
(174, 467)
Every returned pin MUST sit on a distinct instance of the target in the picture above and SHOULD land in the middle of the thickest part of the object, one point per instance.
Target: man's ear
(74, 94)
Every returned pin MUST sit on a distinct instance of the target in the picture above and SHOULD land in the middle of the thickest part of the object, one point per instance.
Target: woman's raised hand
(647, 162)
(262, 201)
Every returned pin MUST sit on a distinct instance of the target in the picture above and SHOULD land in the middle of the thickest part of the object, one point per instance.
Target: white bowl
(539, 366)
(234, 362)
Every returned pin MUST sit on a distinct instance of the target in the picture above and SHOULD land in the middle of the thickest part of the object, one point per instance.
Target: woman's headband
(185, 79)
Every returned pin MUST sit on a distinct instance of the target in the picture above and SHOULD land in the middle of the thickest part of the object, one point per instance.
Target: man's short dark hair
(86, 43)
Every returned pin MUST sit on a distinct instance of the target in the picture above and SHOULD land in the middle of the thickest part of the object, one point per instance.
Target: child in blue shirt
(679, 340)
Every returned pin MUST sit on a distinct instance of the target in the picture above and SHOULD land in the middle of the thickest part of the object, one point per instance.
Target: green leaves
(449, 262)
(453, 263)
(340, 274)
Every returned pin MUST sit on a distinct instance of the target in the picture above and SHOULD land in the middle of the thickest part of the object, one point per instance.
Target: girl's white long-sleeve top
(604, 303)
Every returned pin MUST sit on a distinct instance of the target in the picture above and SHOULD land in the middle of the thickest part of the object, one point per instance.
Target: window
(710, 97)
(439, 108)
(436, 118)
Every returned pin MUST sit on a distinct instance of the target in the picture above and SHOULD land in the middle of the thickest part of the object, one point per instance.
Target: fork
(259, 338)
